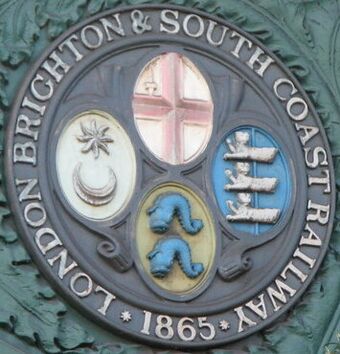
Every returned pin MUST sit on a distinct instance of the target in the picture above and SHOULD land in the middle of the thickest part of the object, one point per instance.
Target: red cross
(171, 108)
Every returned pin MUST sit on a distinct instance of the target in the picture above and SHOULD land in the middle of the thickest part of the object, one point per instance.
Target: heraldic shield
(174, 181)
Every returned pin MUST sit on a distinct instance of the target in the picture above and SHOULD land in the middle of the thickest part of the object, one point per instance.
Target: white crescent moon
(94, 196)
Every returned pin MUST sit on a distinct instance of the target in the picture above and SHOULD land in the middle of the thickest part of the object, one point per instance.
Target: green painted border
(305, 34)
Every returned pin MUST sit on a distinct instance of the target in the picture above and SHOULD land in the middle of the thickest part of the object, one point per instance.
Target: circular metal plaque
(169, 176)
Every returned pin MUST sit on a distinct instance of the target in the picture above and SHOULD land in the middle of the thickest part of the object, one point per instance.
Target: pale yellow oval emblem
(175, 241)
(96, 165)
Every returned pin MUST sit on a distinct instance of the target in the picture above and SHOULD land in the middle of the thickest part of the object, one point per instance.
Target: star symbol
(224, 325)
(94, 138)
(125, 316)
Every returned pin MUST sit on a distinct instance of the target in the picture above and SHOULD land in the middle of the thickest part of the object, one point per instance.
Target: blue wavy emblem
(166, 252)
(166, 208)
(172, 248)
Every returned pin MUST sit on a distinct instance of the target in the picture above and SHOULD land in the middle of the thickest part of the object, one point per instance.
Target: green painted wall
(305, 34)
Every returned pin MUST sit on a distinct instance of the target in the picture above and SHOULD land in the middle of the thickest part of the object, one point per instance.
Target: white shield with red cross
(173, 109)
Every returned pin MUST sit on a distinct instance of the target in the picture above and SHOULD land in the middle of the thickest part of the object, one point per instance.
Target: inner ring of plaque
(173, 108)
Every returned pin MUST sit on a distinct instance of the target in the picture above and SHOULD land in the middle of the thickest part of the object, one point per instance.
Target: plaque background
(305, 34)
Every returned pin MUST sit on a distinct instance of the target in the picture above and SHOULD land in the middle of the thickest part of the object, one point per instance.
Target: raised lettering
(262, 64)
(25, 153)
(35, 209)
(107, 300)
(309, 132)
(87, 289)
(279, 293)
(293, 102)
(240, 43)
(321, 215)
(210, 34)
(33, 106)
(29, 185)
(50, 235)
(70, 45)
(243, 319)
(24, 125)
(259, 308)
(116, 28)
(321, 181)
(172, 22)
(59, 64)
(305, 258)
(283, 82)
(62, 257)
(38, 95)
(312, 239)
(291, 267)
(96, 42)
(200, 28)
(316, 161)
